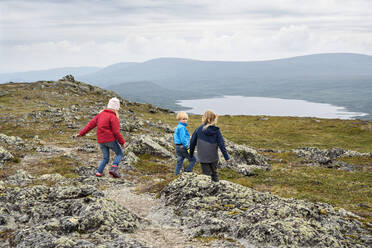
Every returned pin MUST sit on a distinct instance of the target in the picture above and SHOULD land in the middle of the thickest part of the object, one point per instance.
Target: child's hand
(76, 136)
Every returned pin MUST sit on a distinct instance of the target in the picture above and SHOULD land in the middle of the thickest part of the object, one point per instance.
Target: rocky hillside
(50, 197)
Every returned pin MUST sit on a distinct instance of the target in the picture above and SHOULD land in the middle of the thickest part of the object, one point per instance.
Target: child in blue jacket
(182, 141)
(208, 139)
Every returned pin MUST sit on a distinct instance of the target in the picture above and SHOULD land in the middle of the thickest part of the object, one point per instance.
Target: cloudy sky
(41, 34)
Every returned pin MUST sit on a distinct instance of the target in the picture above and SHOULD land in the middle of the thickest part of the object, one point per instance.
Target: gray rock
(244, 159)
(21, 178)
(46, 149)
(12, 141)
(63, 215)
(52, 177)
(85, 171)
(4, 155)
(226, 209)
(123, 242)
(326, 157)
(4, 93)
(128, 161)
(69, 78)
(145, 144)
(88, 148)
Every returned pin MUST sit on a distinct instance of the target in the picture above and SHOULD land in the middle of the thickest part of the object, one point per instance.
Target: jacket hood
(211, 130)
(109, 111)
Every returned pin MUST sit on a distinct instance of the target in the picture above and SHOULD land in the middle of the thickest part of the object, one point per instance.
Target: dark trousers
(181, 155)
(210, 169)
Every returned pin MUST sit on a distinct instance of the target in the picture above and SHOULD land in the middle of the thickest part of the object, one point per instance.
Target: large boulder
(146, 144)
(233, 211)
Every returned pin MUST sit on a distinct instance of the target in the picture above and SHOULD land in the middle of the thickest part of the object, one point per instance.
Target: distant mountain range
(47, 75)
(341, 79)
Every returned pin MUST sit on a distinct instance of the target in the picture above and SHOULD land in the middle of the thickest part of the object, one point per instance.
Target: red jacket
(108, 127)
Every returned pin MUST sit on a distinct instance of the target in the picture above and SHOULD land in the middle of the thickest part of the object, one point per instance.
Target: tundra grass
(349, 190)
(284, 133)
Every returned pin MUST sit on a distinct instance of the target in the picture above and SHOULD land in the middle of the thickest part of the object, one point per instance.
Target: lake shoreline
(268, 106)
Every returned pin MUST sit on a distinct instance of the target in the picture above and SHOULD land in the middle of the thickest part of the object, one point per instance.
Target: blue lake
(241, 105)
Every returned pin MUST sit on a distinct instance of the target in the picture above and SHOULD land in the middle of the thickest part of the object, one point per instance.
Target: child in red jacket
(108, 136)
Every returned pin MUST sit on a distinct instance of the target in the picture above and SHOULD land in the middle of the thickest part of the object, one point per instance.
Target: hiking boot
(114, 171)
(99, 174)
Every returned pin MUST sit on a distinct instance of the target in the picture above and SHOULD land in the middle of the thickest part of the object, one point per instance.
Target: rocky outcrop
(68, 214)
(145, 144)
(4, 156)
(244, 159)
(69, 78)
(252, 218)
(326, 157)
(16, 143)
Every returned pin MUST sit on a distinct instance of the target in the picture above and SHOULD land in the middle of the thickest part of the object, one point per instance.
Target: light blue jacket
(181, 135)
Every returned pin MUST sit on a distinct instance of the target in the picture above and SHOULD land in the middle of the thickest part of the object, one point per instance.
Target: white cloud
(45, 34)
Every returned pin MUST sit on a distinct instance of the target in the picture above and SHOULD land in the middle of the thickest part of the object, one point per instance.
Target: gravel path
(163, 231)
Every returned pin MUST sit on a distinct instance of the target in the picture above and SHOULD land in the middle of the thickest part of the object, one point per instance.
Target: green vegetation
(62, 165)
(285, 133)
(154, 174)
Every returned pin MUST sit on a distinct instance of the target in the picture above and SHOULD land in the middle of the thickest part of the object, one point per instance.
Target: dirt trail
(162, 230)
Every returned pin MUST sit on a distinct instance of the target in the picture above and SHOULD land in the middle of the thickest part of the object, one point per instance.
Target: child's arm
(193, 142)
(184, 137)
(115, 125)
(92, 124)
(221, 145)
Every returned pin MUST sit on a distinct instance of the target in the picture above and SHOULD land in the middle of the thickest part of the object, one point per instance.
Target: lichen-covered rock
(144, 144)
(69, 78)
(58, 216)
(21, 178)
(326, 157)
(123, 242)
(131, 124)
(13, 141)
(2, 185)
(52, 177)
(88, 148)
(46, 149)
(244, 159)
(161, 125)
(206, 208)
(4, 155)
(128, 161)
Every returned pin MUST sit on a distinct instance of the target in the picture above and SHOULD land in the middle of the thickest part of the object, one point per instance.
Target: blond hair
(209, 119)
(182, 115)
